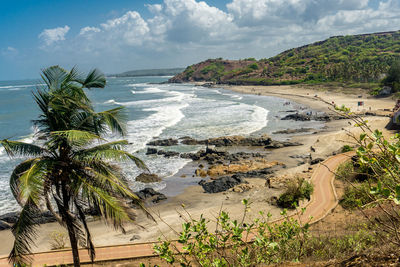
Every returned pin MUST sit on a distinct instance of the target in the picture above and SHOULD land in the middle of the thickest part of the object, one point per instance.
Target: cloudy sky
(122, 35)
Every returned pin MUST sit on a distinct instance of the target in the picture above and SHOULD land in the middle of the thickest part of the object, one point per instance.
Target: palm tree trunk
(74, 242)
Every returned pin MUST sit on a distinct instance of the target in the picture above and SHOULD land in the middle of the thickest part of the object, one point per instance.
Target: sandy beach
(196, 202)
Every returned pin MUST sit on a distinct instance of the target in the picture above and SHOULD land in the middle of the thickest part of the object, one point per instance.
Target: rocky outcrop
(148, 178)
(151, 151)
(294, 131)
(277, 144)
(164, 142)
(150, 195)
(221, 184)
(8, 219)
(168, 154)
(307, 117)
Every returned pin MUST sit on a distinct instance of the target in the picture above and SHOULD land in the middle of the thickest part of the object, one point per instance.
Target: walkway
(323, 201)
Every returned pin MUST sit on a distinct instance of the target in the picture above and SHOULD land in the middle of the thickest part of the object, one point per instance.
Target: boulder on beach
(221, 184)
(149, 194)
(148, 178)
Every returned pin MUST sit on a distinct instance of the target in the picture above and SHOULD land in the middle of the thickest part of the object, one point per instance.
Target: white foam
(133, 92)
(15, 86)
(140, 132)
(111, 101)
(150, 90)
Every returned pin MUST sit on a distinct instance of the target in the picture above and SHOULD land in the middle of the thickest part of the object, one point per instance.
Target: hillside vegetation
(354, 58)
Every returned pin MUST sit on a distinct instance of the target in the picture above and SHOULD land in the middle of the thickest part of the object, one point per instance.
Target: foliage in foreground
(234, 243)
(378, 162)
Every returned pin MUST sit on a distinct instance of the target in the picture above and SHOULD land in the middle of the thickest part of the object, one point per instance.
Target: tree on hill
(393, 77)
(74, 168)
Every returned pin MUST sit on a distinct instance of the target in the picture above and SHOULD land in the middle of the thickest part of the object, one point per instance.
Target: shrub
(346, 148)
(355, 196)
(296, 190)
(58, 240)
(253, 66)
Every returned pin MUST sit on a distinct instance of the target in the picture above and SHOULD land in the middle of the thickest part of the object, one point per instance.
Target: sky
(121, 35)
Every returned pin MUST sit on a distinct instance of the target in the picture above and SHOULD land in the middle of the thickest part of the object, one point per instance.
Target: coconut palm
(74, 168)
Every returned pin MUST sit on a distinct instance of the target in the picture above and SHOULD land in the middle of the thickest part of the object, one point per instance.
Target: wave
(140, 132)
(150, 90)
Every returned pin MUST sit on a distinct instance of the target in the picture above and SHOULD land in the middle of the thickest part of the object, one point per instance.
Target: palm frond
(16, 148)
(110, 154)
(24, 231)
(111, 207)
(14, 179)
(31, 182)
(115, 119)
(77, 137)
(54, 76)
(95, 79)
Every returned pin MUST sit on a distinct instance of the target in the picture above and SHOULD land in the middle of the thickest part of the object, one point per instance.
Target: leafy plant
(58, 240)
(296, 191)
(234, 242)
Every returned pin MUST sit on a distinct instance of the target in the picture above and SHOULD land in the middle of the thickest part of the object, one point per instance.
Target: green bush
(356, 195)
(253, 66)
(296, 190)
(346, 148)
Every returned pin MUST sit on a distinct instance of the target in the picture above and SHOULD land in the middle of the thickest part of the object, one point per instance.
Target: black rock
(149, 194)
(151, 151)
(4, 225)
(10, 217)
(134, 237)
(315, 161)
(221, 184)
(164, 142)
(293, 131)
(168, 154)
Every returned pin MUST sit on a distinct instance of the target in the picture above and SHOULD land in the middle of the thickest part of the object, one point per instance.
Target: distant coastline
(149, 72)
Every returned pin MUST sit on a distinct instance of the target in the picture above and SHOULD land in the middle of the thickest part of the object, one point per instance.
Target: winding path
(323, 201)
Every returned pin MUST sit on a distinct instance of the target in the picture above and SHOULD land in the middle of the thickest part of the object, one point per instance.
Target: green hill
(150, 72)
(354, 58)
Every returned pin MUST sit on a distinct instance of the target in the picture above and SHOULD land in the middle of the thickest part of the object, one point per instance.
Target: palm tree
(74, 168)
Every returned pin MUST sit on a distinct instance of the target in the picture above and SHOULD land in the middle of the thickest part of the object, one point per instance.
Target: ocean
(154, 111)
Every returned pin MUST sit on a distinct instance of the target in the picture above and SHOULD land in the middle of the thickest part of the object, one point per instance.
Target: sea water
(154, 111)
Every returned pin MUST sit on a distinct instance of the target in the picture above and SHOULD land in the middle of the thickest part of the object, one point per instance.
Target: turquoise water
(154, 111)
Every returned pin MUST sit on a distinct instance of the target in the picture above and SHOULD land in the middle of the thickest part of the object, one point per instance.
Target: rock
(10, 217)
(201, 173)
(149, 194)
(293, 131)
(168, 154)
(148, 178)
(315, 161)
(164, 142)
(278, 144)
(4, 225)
(151, 151)
(221, 184)
(134, 237)
(307, 117)
(45, 217)
(385, 91)
(189, 141)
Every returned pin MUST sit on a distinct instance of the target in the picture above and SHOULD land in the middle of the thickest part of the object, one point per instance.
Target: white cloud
(88, 30)
(51, 36)
(181, 32)
(9, 51)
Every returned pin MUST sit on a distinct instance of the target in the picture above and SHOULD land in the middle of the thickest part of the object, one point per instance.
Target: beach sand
(196, 202)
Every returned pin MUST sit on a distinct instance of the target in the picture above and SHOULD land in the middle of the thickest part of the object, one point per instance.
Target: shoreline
(197, 202)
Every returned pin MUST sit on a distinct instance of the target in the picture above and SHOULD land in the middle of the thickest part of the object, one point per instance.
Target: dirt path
(323, 201)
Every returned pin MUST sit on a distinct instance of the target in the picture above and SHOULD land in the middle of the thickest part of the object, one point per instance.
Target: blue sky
(122, 35)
